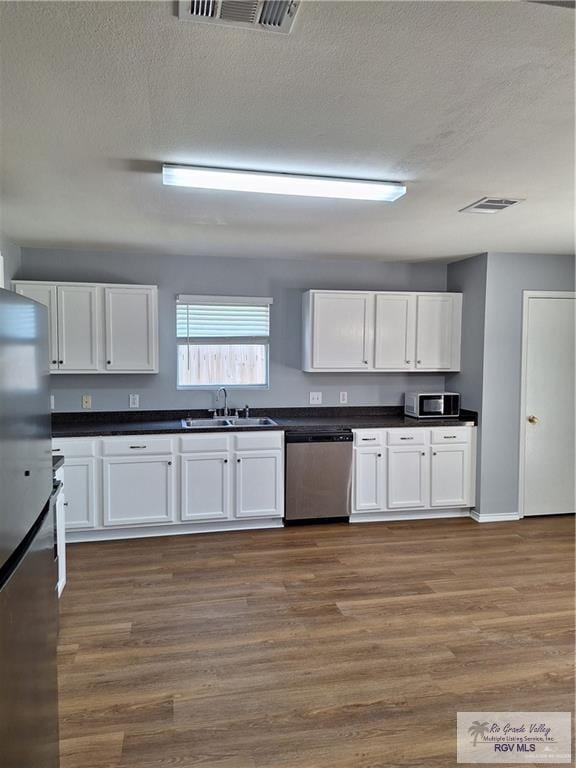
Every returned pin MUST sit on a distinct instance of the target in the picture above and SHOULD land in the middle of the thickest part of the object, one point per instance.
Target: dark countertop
(102, 423)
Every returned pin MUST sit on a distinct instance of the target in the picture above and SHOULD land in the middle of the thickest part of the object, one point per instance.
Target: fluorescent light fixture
(280, 183)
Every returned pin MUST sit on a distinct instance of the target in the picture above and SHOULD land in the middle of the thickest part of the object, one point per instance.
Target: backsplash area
(283, 279)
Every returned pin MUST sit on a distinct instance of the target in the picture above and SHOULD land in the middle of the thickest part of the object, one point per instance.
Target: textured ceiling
(458, 99)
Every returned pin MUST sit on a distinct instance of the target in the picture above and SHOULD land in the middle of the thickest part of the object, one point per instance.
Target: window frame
(186, 341)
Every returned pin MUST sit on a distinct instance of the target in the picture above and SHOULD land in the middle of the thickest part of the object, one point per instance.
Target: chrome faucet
(225, 410)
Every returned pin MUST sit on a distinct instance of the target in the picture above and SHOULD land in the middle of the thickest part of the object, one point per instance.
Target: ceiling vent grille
(272, 15)
(490, 205)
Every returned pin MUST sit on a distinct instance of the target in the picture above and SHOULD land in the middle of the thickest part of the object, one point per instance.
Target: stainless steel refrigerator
(28, 569)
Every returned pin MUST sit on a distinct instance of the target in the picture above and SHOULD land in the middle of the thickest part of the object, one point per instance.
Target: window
(222, 341)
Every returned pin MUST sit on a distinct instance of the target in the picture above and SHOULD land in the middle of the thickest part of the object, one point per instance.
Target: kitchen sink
(210, 423)
(232, 421)
(264, 421)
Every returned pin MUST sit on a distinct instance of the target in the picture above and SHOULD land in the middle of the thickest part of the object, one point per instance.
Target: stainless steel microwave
(432, 405)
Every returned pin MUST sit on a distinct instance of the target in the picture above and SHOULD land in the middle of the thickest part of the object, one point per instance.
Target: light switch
(134, 401)
(315, 398)
(86, 401)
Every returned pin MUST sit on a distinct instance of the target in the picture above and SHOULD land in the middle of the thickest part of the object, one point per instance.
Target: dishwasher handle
(319, 437)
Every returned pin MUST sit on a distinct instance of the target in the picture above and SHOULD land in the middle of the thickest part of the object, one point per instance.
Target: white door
(259, 486)
(78, 328)
(138, 491)
(342, 327)
(547, 450)
(79, 478)
(205, 486)
(131, 329)
(395, 331)
(45, 294)
(368, 479)
(438, 318)
(450, 476)
(408, 477)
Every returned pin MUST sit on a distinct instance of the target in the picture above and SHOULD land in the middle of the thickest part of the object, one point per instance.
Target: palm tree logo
(477, 729)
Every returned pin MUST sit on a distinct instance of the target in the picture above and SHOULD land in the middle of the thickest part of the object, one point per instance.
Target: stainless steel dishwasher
(318, 475)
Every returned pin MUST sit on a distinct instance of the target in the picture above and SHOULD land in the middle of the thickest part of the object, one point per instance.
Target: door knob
(533, 419)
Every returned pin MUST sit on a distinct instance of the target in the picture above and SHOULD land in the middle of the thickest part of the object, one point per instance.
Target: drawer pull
(138, 446)
(56, 450)
(406, 438)
(423, 453)
(379, 455)
(368, 439)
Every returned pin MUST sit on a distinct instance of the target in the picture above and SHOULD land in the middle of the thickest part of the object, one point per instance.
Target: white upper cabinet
(394, 331)
(97, 328)
(131, 325)
(380, 331)
(438, 322)
(79, 335)
(45, 294)
(341, 337)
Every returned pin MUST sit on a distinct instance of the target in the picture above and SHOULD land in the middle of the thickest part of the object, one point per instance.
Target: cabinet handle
(406, 438)
(108, 362)
(419, 362)
(137, 446)
(238, 460)
(450, 437)
(423, 453)
(365, 362)
(56, 450)
(225, 461)
(54, 362)
(169, 463)
(368, 439)
(434, 453)
(379, 455)
(408, 361)
(60, 362)
(65, 503)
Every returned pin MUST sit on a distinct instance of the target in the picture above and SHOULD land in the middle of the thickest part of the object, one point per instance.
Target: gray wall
(469, 277)
(12, 259)
(284, 279)
(508, 275)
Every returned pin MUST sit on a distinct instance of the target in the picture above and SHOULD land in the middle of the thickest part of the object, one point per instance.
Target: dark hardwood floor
(313, 647)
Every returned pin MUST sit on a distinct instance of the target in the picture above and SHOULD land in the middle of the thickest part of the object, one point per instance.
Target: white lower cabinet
(79, 479)
(137, 490)
(259, 486)
(450, 476)
(205, 487)
(369, 479)
(419, 469)
(408, 477)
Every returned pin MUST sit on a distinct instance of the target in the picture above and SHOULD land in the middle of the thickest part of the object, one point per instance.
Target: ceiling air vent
(273, 15)
(490, 205)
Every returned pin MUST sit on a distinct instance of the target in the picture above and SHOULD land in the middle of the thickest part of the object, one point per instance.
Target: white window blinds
(219, 318)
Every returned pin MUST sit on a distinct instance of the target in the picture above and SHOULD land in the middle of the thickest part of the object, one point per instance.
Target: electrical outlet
(86, 401)
(134, 401)
(315, 398)
(52, 402)
(343, 398)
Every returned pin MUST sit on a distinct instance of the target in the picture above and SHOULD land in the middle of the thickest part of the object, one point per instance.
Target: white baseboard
(494, 517)
(408, 514)
(114, 534)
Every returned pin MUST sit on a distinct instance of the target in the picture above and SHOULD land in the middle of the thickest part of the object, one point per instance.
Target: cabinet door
(342, 326)
(131, 323)
(79, 478)
(438, 318)
(395, 331)
(45, 294)
(450, 476)
(205, 486)
(138, 491)
(259, 484)
(78, 328)
(408, 477)
(368, 479)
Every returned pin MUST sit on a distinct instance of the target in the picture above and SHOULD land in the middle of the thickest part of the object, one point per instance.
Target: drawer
(408, 436)
(71, 447)
(368, 437)
(138, 444)
(450, 435)
(248, 441)
(204, 443)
